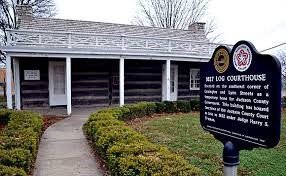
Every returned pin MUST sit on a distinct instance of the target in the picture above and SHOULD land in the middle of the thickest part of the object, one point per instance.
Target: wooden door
(57, 83)
(173, 83)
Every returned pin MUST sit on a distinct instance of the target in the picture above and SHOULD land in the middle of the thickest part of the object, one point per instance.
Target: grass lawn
(183, 134)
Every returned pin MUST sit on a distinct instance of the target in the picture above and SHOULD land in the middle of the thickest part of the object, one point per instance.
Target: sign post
(240, 100)
(230, 159)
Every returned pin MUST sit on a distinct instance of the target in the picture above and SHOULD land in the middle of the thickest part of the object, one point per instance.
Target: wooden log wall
(34, 92)
(91, 81)
(143, 81)
(96, 81)
(184, 92)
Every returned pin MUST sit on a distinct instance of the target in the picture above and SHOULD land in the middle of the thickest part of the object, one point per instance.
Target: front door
(57, 83)
(173, 83)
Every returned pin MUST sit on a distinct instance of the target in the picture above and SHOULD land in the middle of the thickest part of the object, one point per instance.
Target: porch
(73, 82)
(78, 69)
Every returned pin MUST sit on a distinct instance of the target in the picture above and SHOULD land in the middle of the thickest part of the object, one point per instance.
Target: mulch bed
(50, 120)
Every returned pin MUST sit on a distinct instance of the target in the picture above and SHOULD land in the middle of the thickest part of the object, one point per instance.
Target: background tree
(8, 18)
(175, 14)
(41, 8)
(281, 55)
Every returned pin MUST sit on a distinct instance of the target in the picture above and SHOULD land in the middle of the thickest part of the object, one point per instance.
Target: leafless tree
(281, 55)
(8, 17)
(175, 14)
(41, 8)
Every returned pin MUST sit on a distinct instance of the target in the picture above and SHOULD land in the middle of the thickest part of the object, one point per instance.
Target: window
(59, 76)
(194, 79)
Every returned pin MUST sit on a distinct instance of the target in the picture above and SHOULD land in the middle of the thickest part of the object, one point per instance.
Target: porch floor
(64, 149)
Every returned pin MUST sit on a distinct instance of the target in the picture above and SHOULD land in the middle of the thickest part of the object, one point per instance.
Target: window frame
(193, 74)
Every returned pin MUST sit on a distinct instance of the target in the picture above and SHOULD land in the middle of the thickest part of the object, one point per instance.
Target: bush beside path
(19, 141)
(129, 153)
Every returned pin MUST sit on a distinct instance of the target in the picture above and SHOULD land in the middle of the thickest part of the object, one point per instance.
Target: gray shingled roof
(63, 25)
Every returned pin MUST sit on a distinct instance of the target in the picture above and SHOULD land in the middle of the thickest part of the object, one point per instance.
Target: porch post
(121, 81)
(17, 84)
(9, 82)
(168, 78)
(68, 84)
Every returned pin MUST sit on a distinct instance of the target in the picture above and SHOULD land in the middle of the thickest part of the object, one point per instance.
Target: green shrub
(142, 147)
(183, 106)
(108, 136)
(16, 157)
(108, 123)
(160, 107)
(19, 141)
(139, 110)
(136, 111)
(126, 151)
(25, 119)
(120, 150)
(97, 117)
(26, 139)
(94, 125)
(4, 116)
(119, 112)
(157, 163)
(195, 105)
(11, 171)
(101, 116)
(170, 106)
(150, 108)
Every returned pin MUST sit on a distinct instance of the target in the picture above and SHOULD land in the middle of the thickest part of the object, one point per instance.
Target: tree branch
(175, 14)
(8, 13)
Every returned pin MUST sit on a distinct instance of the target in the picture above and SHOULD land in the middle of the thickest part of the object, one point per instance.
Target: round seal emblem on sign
(221, 60)
(242, 58)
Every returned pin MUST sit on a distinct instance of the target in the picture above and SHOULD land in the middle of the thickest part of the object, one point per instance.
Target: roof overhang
(16, 51)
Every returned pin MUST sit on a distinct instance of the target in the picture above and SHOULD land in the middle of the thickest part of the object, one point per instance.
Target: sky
(260, 21)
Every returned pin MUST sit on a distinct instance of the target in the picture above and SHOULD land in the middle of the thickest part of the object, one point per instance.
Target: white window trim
(192, 71)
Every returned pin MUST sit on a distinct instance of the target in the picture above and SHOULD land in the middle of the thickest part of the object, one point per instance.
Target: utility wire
(273, 47)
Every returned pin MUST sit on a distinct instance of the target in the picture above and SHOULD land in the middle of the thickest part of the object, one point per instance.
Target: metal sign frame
(240, 96)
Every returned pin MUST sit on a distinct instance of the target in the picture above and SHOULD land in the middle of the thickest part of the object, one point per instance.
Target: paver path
(64, 150)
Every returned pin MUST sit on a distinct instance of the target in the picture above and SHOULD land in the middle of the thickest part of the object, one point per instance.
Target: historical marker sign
(31, 74)
(241, 96)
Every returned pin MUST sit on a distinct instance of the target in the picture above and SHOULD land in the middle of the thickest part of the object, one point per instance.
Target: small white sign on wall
(31, 74)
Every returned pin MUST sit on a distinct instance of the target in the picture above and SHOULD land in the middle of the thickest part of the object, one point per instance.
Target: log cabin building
(60, 62)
